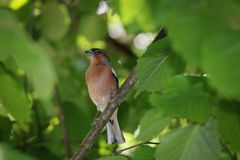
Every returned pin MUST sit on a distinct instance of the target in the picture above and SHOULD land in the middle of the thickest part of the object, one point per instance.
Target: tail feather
(110, 134)
(114, 133)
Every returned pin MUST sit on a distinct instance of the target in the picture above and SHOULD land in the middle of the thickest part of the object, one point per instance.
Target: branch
(66, 140)
(100, 122)
(136, 145)
(161, 34)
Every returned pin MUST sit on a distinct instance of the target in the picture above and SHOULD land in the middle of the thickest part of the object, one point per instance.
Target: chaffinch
(102, 84)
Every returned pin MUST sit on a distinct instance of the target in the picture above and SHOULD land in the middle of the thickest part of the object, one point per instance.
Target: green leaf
(190, 22)
(144, 153)
(42, 152)
(152, 124)
(181, 98)
(5, 127)
(225, 156)
(86, 6)
(131, 18)
(156, 65)
(14, 99)
(183, 22)
(8, 153)
(126, 112)
(55, 20)
(228, 121)
(200, 142)
(72, 115)
(221, 61)
(27, 54)
(89, 29)
(113, 158)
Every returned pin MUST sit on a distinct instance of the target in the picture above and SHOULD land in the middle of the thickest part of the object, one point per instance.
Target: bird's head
(98, 56)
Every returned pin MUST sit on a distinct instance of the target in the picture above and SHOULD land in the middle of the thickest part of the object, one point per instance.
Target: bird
(102, 84)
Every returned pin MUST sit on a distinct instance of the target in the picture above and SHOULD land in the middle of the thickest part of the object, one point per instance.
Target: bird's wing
(115, 77)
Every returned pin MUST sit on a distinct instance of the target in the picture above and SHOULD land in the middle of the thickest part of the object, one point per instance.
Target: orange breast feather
(101, 84)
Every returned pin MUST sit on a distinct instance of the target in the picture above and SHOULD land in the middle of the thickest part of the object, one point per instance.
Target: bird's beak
(89, 52)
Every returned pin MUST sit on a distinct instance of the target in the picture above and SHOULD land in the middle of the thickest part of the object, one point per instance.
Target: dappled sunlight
(115, 26)
(85, 44)
(102, 8)
(176, 63)
(130, 140)
(16, 4)
(143, 40)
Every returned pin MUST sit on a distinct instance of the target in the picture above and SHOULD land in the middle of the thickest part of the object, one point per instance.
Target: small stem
(161, 34)
(136, 145)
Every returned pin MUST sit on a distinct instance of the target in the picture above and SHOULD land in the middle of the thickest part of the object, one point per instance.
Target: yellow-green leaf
(14, 99)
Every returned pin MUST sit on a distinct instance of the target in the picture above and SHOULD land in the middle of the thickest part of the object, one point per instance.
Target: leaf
(191, 22)
(27, 54)
(152, 71)
(113, 158)
(143, 153)
(75, 114)
(7, 153)
(42, 152)
(89, 29)
(125, 113)
(5, 127)
(157, 64)
(14, 99)
(221, 61)
(181, 98)
(86, 6)
(228, 121)
(131, 18)
(152, 124)
(55, 20)
(185, 39)
(200, 142)
(206, 34)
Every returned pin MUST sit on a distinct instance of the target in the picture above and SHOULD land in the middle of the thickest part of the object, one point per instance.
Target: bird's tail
(114, 133)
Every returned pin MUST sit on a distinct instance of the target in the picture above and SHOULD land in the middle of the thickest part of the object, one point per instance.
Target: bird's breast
(101, 85)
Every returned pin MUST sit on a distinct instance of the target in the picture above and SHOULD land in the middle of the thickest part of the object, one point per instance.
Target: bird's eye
(99, 52)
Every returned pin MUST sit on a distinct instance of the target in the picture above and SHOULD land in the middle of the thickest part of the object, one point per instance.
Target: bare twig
(100, 122)
(161, 34)
(63, 124)
(133, 146)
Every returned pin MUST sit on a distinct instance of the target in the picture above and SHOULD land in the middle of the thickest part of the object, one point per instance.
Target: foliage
(187, 97)
(190, 141)
(20, 107)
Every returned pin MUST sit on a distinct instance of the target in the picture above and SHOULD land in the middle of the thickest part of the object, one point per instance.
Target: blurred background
(42, 53)
(187, 97)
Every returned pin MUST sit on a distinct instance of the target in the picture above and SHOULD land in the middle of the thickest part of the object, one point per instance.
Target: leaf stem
(134, 146)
